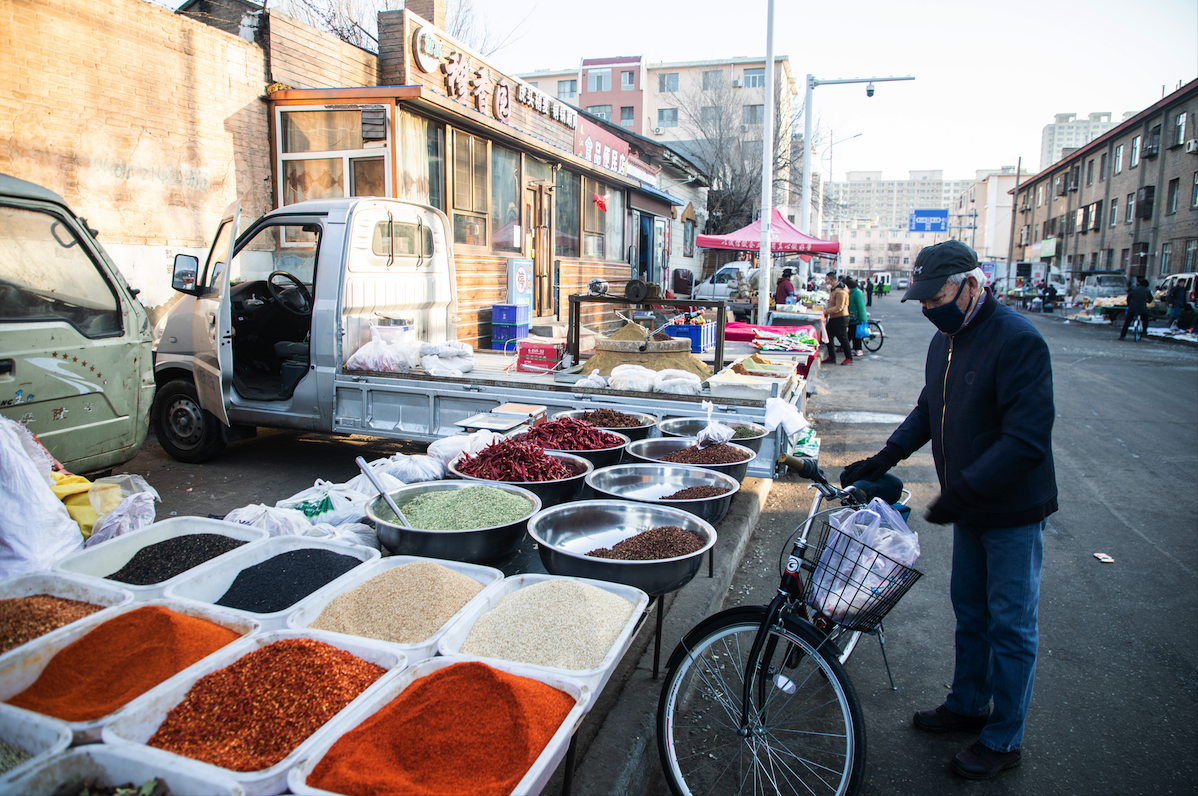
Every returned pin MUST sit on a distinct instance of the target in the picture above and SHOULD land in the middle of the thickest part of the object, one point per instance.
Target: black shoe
(982, 762)
(942, 719)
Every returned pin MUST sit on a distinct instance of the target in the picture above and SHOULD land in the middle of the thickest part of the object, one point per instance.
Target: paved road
(1116, 688)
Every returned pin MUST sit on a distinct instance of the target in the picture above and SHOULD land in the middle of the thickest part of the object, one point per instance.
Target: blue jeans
(995, 593)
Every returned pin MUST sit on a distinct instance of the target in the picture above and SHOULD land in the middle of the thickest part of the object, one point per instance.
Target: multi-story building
(867, 248)
(1067, 132)
(1127, 201)
(611, 88)
(981, 215)
(866, 194)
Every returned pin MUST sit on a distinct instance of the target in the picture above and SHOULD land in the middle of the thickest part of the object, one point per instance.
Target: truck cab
(75, 364)
(275, 310)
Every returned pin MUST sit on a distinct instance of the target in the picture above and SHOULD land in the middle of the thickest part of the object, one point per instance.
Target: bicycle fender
(748, 613)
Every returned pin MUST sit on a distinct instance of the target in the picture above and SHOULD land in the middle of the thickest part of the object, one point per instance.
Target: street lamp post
(808, 150)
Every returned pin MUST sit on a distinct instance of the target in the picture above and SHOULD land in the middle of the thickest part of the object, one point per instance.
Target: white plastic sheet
(35, 528)
(275, 521)
(131, 514)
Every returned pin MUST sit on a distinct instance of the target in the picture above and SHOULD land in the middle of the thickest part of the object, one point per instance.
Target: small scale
(505, 418)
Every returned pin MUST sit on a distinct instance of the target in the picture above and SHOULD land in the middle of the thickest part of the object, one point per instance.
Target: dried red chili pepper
(513, 460)
(569, 434)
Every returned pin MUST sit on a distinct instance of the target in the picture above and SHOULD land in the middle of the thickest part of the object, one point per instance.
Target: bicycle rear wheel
(875, 339)
(1137, 330)
(806, 731)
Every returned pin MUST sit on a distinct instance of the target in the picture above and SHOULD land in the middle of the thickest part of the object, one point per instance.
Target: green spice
(11, 756)
(462, 509)
(744, 432)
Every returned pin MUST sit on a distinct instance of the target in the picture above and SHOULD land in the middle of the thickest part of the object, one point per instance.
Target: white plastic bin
(21, 668)
(450, 644)
(208, 582)
(69, 587)
(39, 735)
(116, 765)
(533, 782)
(137, 722)
(309, 610)
(108, 557)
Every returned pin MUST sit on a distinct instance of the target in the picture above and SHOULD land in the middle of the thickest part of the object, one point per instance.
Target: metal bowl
(474, 544)
(565, 533)
(632, 432)
(551, 493)
(650, 483)
(651, 450)
(691, 426)
(601, 457)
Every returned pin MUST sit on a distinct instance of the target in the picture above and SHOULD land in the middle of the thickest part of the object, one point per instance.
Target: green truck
(75, 343)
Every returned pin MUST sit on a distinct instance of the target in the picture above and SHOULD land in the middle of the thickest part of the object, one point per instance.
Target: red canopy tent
(784, 237)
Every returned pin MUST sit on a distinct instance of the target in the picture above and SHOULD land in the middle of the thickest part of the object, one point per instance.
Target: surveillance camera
(869, 90)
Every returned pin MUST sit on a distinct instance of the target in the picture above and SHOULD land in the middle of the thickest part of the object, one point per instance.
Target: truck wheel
(185, 431)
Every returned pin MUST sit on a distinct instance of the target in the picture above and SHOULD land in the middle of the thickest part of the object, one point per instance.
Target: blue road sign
(935, 220)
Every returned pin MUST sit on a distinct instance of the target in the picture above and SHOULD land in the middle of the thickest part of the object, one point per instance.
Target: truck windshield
(47, 274)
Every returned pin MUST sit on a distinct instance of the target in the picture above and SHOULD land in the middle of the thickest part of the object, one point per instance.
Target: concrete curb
(622, 756)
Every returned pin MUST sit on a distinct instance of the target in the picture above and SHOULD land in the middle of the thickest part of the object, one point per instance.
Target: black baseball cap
(935, 264)
(787, 272)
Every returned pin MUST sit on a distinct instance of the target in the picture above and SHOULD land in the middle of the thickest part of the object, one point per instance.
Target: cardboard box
(541, 350)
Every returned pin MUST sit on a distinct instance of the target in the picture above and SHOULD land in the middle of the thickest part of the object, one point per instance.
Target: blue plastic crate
(503, 332)
(701, 335)
(509, 313)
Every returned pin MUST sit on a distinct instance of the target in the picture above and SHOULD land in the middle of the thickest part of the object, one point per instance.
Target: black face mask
(948, 317)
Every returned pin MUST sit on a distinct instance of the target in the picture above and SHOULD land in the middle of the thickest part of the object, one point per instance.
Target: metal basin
(632, 432)
(550, 493)
(602, 457)
(565, 533)
(473, 545)
(649, 483)
(651, 450)
(691, 426)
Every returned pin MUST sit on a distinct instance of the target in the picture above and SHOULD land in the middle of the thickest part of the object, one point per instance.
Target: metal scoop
(366, 471)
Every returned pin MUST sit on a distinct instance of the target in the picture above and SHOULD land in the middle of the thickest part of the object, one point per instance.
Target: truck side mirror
(183, 276)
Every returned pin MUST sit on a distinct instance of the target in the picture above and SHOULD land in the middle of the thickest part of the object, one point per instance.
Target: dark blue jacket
(987, 409)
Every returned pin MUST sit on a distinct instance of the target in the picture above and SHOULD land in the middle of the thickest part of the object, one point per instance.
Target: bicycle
(1137, 329)
(757, 696)
(876, 337)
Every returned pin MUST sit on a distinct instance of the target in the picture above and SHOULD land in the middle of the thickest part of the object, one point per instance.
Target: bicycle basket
(853, 584)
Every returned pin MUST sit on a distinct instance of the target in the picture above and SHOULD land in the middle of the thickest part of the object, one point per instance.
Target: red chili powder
(254, 712)
(466, 729)
(120, 660)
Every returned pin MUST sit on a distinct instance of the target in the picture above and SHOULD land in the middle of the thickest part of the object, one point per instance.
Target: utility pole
(1014, 211)
(764, 255)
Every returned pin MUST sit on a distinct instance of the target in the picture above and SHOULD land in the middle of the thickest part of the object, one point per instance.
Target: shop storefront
(520, 175)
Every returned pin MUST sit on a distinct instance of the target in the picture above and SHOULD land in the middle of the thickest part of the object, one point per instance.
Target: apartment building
(1127, 201)
(611, 88)
(981, 215)
(1067, 132)
(867, 194)
(868, 248)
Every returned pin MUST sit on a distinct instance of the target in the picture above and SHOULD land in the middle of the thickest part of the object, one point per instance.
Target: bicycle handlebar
(810, 469)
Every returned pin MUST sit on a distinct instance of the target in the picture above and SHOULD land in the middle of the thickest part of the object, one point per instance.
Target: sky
(988, 76)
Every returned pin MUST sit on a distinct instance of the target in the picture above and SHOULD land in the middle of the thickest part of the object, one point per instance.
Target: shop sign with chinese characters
(470, 80)
(595, 145)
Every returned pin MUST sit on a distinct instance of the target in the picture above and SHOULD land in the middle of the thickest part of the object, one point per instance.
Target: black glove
(869, 469)
(947, 509)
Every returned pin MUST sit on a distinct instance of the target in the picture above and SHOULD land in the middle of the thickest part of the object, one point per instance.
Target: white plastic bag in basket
(326, 502)
(448, 449)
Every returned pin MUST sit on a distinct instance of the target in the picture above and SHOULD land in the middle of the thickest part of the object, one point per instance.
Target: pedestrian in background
(1176, 299)
(869, 292)
(836, 319)
(987, 409)
(857, 314)
(1139, 299)
(785, 288)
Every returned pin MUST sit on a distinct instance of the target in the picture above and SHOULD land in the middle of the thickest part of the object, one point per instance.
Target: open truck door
(212, 322)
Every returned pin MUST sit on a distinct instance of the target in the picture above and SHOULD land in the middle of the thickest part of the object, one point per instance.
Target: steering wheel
(302, 305)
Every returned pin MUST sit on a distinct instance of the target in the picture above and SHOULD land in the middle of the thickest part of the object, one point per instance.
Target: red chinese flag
(601, 201)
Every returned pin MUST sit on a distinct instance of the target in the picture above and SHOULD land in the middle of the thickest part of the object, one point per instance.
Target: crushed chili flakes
(22, 619)
(253, 713)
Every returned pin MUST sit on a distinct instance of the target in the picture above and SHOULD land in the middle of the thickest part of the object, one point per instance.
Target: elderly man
(987, 409)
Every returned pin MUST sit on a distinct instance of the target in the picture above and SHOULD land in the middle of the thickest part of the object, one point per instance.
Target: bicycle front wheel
(1137, 331)
(806, 733)
(874, 341)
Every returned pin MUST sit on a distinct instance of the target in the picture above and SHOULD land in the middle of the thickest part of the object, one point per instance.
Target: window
(688, 238)
(1118, 159)
(567, 209)
(753, 114)
(505, 200)
(602, 111)
(421, 154)
(1102, 168)
(667, 117)
(1124, 258)
(49, 274)
(1166, 251)
(1039, 195)
(1110, 259)
(1171, 196)
(1114, 210)
(1131, 206)
(709, 116)
(1179, 129)
(668, 82)
(1090, 172)
(1194, 193)
(567, 89)
(469, 189)
(628, 81)
(1134, 159)
(627, 116)
(852, 261)
(1190, 261)
(599, 79)
(594, 219)
(325, 154)
(713, 80)
(755, 78)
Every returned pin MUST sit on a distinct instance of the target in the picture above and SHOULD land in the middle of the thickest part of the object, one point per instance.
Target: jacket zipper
(944, 406)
